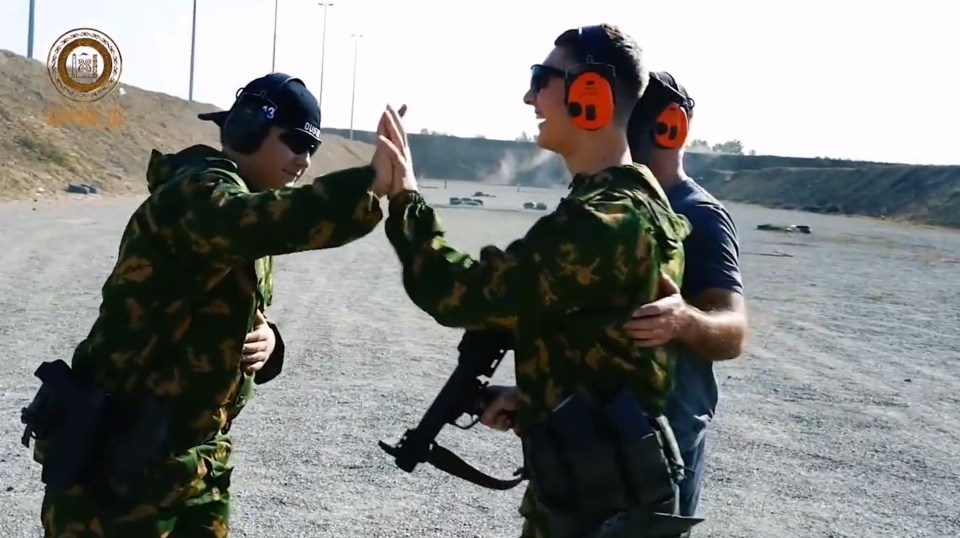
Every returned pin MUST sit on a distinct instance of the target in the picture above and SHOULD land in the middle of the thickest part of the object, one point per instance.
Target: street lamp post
(353, 93)
(273, 62)
(30, 21)
(323, 50)
(193, 47)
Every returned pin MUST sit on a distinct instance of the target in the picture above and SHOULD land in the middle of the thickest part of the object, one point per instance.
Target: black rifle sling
(450, 463)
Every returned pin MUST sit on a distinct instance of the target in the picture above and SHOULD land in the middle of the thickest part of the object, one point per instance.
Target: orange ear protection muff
(670, 131)
(672, 123)
(589, 92)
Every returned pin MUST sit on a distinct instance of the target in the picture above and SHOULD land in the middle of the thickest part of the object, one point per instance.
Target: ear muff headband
(589, 86)
(253, 114)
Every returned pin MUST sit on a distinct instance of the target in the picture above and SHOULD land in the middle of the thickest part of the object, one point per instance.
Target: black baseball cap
(296, 107)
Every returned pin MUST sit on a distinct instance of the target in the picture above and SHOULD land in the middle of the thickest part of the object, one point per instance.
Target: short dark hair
(610, 45)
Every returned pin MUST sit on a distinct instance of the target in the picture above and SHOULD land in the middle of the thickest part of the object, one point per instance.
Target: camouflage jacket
(565, 289)
(194, 264)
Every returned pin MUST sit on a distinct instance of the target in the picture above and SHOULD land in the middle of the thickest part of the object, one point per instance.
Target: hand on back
(661, 321)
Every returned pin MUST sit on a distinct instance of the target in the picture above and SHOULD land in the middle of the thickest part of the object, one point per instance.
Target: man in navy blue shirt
(707, 315)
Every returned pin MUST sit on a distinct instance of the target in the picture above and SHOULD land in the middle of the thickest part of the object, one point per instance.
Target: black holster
(86, 436)
(606, 469)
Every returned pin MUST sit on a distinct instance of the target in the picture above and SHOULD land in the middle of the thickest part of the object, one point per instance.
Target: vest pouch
(66, 417)
(590, 463)
(591, 454)
(642, 450)
(572, 466)
(548, 469)
(645, 524)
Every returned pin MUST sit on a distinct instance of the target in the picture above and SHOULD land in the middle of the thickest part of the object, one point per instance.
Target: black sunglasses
(300, 142)
(540, 76)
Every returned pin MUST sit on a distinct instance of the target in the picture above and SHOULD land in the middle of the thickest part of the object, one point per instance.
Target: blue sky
(834, 78)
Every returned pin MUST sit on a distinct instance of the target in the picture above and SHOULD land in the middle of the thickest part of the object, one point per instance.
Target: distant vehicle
(786, 228)
(465, 201)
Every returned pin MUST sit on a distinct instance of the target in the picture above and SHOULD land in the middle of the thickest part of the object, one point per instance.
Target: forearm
(715, 335)
(572, 257)
(347, 196)
(432, 270)
(233, 224)
(410, 225)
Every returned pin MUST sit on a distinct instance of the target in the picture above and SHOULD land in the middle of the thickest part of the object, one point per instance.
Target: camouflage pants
(73, 514)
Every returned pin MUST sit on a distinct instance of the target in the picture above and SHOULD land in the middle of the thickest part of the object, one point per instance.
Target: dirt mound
(922, 194)
(48, 142)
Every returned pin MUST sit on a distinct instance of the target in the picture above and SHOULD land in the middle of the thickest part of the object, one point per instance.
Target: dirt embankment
(48, 142)
(921, 194)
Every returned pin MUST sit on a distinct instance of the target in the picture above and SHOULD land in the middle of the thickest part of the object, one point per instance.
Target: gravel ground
(837, 422)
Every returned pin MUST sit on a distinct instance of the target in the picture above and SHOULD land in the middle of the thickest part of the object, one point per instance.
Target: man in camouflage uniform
(568, 286)
(192, 278)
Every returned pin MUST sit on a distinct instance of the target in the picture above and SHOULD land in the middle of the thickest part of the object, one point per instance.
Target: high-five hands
(382, 160)
(398, 147)
(392, 158)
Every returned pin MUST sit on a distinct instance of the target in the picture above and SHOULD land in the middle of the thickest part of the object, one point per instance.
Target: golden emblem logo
(84, 65)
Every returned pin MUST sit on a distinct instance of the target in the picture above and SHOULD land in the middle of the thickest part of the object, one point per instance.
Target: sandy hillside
(48, 141)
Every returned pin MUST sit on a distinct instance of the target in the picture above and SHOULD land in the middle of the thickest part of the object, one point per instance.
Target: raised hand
(382, 161)
(398, 146)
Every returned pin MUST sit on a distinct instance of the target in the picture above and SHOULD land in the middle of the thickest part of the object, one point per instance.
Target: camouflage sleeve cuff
(358, 179)
(400, 201)
(411, 223)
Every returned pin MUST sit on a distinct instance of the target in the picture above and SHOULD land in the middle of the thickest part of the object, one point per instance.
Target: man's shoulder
(192, 166)
(690, 195)
(180, 184)
(623, 198)
(625, 184)
(698, 205)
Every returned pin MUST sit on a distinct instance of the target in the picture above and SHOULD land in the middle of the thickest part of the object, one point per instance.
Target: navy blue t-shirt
(712, 261)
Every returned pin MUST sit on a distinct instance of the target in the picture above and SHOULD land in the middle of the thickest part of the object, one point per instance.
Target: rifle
(463, 393)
